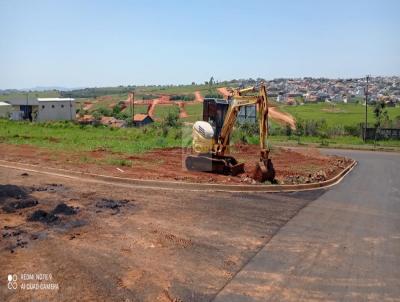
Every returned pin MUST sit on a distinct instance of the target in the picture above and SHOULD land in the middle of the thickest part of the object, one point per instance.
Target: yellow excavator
(211, 136)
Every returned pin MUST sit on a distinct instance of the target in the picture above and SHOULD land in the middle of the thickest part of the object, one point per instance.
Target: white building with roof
(42, 109)
(5, 110)
(56, 109)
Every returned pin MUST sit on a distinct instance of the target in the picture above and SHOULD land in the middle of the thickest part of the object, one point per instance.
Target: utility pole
(132, 103)
(26, 108)
(366, 110)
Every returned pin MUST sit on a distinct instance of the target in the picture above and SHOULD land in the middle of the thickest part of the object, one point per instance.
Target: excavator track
(205, 162)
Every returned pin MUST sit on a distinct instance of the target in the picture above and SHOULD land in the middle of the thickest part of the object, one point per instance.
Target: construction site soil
(105, 242)
(292, 166)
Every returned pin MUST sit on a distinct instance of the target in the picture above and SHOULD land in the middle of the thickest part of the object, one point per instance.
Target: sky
(108, 43)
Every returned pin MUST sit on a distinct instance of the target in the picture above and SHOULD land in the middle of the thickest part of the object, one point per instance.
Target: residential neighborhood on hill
(307, 89)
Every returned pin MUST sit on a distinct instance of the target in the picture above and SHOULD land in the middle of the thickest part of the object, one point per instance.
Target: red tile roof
(140, 117)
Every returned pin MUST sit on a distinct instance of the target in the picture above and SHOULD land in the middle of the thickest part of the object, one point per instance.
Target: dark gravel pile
(64, 209)
(43, 216)
(12, 206)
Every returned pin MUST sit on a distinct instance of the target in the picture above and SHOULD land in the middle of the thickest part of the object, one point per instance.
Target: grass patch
(68, 136)
(338, 114)
(162, 110)
(194, 111)
(119, 162)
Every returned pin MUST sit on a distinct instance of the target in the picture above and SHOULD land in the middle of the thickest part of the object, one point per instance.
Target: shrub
(213, 95)
(102, 111)
(122, 116)
(288, 130)
(243, 137)
(249, 128)
(171, 120)
(165, 130)
(352, 130)
(149, 97)
(182, 97)
(337, 130)
(178, 134)
(96, 115)
(116, 110)
(189, 97)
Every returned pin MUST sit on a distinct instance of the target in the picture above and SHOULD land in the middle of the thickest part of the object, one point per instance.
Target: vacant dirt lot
(110, 243)
(168, 164)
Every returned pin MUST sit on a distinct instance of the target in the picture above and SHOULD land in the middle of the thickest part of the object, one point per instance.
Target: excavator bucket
(264, 171)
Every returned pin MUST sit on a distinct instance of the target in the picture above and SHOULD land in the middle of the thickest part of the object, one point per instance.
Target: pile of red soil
(292, 166)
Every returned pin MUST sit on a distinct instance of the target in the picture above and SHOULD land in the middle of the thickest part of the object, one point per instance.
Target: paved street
(344, 246)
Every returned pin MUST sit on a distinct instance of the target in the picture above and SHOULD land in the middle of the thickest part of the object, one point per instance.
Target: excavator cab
(214, 112)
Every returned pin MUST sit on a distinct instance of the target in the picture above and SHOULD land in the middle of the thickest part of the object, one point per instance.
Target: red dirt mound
(291, 166)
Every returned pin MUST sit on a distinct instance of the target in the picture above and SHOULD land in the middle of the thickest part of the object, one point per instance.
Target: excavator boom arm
(241, 99)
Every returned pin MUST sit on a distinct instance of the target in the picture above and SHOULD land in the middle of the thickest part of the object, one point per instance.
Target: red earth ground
(182, 111)
(224, 91)
(168, 164)
(198, 97)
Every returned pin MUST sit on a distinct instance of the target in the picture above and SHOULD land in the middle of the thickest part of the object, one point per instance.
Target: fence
(382, 133)
(247, 114)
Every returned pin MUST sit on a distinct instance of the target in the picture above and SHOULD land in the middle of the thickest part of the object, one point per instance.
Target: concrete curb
(174, 185)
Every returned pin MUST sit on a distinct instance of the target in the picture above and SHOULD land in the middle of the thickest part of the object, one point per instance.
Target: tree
(381, 116)
(299, 129)
(288, 130)
(211, 82)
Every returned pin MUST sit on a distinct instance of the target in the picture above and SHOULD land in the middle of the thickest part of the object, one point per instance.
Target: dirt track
(182, 111)
(198, 97)
(140, 245)
(152, 107)
(223, 91)
(281, 117)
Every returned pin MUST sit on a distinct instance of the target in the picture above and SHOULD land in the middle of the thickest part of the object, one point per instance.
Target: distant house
(23, 108)
(390, 103)
(5, 110)
(56, 109)
(42, 109)
(142, 120)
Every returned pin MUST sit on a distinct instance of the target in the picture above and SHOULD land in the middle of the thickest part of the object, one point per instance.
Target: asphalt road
(344, 246)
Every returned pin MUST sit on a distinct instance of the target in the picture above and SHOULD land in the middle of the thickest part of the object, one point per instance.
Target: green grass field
(336, 142)
(195, 112)
(67, 136)
(138, 109)
(162, 111)
(338, 114)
